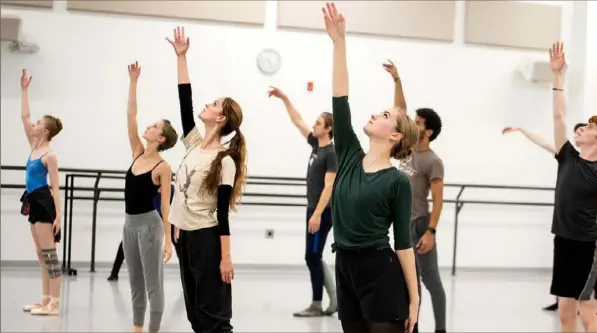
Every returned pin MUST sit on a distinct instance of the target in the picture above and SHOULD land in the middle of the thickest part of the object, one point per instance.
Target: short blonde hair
(410, 136)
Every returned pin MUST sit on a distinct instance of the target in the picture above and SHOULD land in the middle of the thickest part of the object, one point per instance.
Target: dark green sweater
(365, 204)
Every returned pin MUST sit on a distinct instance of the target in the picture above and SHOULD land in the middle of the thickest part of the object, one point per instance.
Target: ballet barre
(96, 196)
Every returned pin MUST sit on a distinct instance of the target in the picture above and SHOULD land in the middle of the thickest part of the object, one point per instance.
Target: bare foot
(138, 329)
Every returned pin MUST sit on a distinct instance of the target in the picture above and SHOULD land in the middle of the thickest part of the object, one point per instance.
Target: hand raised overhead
(557, 58)
(335, 24)
(275, 92)
(134, 71)
(180, 43)
(390, 68)
(25, 80)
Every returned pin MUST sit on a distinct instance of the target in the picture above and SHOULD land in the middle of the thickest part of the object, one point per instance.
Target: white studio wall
(590, 105)
(80, 76)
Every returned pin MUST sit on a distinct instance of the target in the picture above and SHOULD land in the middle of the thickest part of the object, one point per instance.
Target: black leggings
(314, 251)
(364, 327)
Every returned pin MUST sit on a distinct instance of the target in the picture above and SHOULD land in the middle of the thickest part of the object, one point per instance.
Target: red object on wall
(310, 86)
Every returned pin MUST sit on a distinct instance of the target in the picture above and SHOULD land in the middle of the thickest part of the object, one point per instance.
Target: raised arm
(335, 26)
(181, 45)
(557, 60)
(399, 99)
(131, 114)
(295, 116)
(346, 141)
(25, 113)
(534, 138)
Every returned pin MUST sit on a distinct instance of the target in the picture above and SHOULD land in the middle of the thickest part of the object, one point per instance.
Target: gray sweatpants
(142, 244)
(429, 270)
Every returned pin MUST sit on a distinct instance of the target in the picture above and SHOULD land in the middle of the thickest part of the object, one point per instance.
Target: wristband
(557, 89)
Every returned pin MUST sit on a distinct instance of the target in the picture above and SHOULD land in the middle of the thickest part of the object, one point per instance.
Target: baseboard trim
(101, 266)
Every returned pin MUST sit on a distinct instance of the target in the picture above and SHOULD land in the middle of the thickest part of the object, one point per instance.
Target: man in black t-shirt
(575, 212)
(321, 173)
(541, 142)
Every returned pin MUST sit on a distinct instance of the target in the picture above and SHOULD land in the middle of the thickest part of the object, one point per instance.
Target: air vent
(10, 28)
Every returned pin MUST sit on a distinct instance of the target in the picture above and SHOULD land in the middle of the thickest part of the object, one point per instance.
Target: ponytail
(237, 150)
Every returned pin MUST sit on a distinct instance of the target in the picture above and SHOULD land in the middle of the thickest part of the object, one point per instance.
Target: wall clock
(269, 61)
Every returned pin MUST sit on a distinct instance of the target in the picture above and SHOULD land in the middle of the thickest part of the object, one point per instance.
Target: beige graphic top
(189, 209)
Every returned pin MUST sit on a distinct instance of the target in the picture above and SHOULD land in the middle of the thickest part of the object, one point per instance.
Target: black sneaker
(113, 278)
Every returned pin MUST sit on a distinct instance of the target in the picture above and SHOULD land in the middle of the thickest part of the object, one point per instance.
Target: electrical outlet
(269, 233)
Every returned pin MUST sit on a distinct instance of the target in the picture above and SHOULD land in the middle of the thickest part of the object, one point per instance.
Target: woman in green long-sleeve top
(377, 287)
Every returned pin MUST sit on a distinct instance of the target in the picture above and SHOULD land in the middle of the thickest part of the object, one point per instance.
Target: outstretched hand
(134, 71)
(25, 80)
(275, 92)
(335, 24)
(557, 57)
(510, 129)
(390, 68)
(181, 43)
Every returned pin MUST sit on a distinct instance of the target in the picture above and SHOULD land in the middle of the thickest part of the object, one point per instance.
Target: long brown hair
(237, 151)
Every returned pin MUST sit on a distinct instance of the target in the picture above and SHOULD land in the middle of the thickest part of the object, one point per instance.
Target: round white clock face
(269, 61)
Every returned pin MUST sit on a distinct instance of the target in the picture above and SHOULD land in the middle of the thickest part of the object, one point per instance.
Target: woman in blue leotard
(41, 202)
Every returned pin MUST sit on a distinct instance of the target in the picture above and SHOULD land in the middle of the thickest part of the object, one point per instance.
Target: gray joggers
(429, 271)
(142, 243)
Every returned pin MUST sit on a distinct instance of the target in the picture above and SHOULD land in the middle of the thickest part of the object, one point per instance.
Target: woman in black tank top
(139, 191)
(144, 230)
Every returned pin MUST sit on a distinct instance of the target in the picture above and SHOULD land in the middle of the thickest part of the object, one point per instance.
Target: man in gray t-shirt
(321, 173)
(426, 172)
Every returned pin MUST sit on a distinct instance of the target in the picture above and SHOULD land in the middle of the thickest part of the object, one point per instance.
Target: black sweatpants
(208, 300)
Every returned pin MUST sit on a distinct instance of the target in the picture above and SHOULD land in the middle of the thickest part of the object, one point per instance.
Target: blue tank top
(36, 174)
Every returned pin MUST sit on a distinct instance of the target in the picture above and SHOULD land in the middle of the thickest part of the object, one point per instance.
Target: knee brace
(52, 265)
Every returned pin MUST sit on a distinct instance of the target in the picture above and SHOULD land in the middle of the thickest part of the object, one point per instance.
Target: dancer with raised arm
(321, 172)
(538, 140)
(146, 237)
(574, 227)
(426, 171)
(42, 201)
(210, 179)
(378, 289)
(541, 142)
